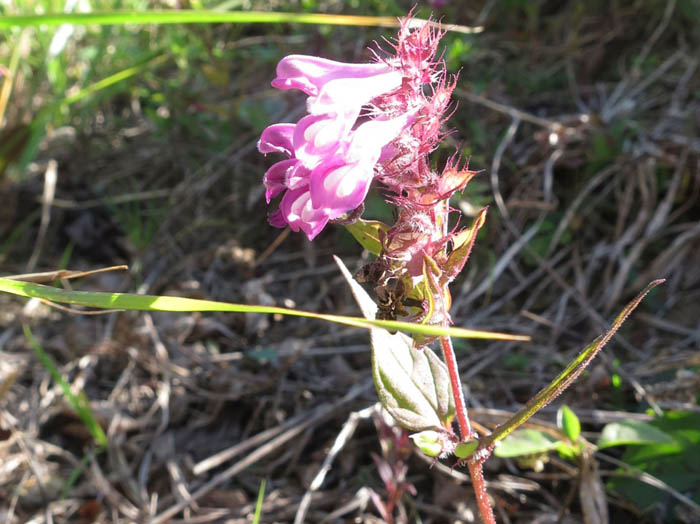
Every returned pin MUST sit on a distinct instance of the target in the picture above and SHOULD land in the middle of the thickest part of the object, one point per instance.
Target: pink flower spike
(277, 138)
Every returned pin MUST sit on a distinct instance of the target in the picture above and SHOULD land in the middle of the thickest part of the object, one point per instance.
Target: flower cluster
(375, 121)
(332, 158)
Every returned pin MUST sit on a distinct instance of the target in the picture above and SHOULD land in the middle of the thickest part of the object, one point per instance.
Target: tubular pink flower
(335, 87)
(340, 184)
(338, 187)
(298, 212)
(286, 174)
(318, 137)
(277, 138)
(330, 168)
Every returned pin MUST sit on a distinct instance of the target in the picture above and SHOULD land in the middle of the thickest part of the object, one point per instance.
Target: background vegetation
(135, 144)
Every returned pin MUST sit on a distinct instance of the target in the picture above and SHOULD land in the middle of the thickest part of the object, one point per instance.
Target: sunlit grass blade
(79, 402)
(191, 17)
(259, 503)
(8, 74)
(566, 377)
(207, 17)
(113, 79)
(187, 305)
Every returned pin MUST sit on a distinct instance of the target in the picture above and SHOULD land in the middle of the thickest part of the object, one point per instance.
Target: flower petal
(277, 138)
(371, 136)
(319, 136)
(276, 219)
(310, 73)
(298, 212)
(339, 187)
(286, 174)
(347, 95)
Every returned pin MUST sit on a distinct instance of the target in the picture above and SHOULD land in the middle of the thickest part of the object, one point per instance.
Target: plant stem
(482, 499)
(462, 417)
(475, 465)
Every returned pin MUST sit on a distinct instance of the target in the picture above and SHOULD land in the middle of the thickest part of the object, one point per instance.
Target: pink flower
(335, 88)
(327, 175)
(330, 165)
(297, 211)
(291, 177)
(340, 183)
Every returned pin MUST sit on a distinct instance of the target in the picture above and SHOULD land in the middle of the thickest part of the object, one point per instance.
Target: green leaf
(429, 442)
(368, 233)
(569, 423)
(631, 432)
(675, 463)
(466, 449)
(185, 305)
(412, 384)
(526, 442)
(259, 503)
(462, 245)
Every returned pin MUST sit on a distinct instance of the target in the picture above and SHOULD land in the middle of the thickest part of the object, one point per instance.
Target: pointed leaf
(569, 423)
(632, 432)
(134, 302)
(462, 245)
(369, 234)
(412, 384)
(526, 442)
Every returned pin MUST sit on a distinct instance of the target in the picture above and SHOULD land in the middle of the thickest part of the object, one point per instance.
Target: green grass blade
(259, 503)
(9, 73)
(79, 402)
(188, 305)
(75, 474)
(113, 79)
(192, 17)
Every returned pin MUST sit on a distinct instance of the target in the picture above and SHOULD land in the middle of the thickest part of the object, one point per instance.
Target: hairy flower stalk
(380, 122)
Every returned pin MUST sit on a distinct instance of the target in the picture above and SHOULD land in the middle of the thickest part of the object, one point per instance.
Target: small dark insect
(389, 302)
(371, 273)
(392, 301)
(391, 291)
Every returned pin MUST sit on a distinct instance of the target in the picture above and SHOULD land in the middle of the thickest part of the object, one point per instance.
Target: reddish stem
(462, 417)
(475, 465)
(482, 499)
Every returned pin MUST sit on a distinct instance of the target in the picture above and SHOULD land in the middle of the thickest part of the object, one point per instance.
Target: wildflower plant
(374, 123)
(378, 123)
